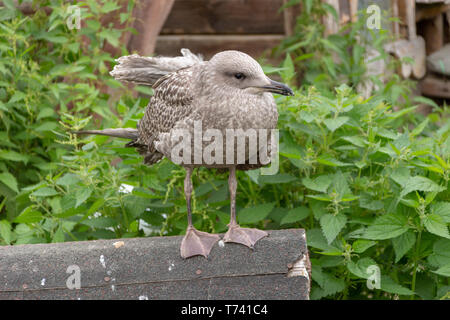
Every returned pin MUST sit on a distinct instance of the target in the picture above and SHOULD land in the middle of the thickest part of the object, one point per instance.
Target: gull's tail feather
(126, 133)
(147, 70)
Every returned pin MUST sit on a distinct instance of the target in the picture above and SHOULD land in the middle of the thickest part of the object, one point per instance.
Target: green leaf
(331, 225)
(277, 178)
(255, 214)
(328, 282)
(403, 243)
(112, 36)
(13, 156)
(441, 253)
(96, 205)
(288, 72)
(100, 223)
(316, 239)
(44, 192)
(135, 206)
(330, 161)
(442, 209)
(5, 231)
(419, 183)
(401, 176)
(361, 245)
(425, 100)
(418, 130)
(7, 14)
(385, 133)
(367, 202)
(8, 179)
(46, 113)
(320, 197)
(443, 271)
(82, 195)
(334, 124)
(144, 90)
(295, 215)
(68, 179)
(389, 285)
(58, 236)
(29, 215)
(436, 225)
(46, 126)
(359, 268)
(355, 140)
(321, 183)
(318, 208)
(17, 96)
(386, 227)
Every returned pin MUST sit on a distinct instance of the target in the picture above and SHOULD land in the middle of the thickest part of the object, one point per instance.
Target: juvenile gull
(230, 91)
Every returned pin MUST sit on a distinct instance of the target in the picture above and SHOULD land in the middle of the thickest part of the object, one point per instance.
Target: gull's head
(237, 70)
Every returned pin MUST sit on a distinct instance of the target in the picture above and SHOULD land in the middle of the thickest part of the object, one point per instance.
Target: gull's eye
(239, 76)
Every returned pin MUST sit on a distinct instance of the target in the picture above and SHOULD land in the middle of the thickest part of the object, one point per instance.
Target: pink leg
(245, 236)
(194, 242)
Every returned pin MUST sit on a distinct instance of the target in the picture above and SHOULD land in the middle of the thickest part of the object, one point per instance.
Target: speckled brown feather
(170, 103)
(194, 94)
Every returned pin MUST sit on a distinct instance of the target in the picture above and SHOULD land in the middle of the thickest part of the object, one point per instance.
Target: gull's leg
(235, 233)
(194, 242)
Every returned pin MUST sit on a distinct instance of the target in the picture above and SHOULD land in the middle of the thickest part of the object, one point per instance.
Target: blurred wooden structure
(210, 26)
(256, 26)
(422, 33)
(433, 23)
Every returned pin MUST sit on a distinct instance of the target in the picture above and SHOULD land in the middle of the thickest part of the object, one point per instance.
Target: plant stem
(416, 262)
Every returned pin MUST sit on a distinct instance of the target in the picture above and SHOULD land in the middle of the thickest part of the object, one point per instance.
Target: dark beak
(279, 88)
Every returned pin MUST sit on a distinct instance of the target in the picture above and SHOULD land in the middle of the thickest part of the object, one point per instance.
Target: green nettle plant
(369, 184)
(47, 69)
(325, 62)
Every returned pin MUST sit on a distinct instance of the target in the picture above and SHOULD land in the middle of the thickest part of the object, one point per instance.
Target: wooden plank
(290, 14)
(439, 61)
(435, 87)
(424, 12)
(432, 1)
(225, 17)
(331, 25)
(433, 32)
(278, 268)
(170, 45)
(150, 17)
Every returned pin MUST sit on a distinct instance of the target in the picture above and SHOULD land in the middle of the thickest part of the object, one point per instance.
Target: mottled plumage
(189, 95)
(230, 91)
(171, 102)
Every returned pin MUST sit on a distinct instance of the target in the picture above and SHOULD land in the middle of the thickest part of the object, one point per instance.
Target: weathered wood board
(208, 45)
(151, 268)
(435, 87)
(225, 17)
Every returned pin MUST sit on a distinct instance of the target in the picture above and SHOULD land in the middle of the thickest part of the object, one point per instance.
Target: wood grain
(435, 87)
(150, 17)
(208, 45)
(151, 268)
(225, 17)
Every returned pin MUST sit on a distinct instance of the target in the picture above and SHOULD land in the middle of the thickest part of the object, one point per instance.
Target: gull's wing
(171, 102)
(147, 70)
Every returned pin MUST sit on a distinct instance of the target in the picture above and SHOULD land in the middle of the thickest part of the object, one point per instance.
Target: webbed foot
(197, 243)
(246, 236)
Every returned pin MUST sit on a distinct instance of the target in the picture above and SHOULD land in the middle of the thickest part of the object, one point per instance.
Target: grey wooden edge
(151, 268)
